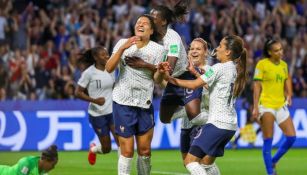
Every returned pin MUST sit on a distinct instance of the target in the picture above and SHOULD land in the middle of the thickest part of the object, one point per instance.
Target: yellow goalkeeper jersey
(272, 77)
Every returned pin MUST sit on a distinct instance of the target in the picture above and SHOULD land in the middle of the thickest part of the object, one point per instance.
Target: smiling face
(143, 28)
(222, 53)
(197, 53)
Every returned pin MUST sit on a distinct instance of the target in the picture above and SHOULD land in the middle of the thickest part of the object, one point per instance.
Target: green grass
(234, 162)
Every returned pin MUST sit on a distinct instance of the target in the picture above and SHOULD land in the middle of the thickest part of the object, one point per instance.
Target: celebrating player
(133, 93)
(173, 95)
(225, 81)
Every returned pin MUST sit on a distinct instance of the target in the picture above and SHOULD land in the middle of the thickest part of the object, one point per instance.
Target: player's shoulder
(216, 66)
(27, 160)
(120, 42)
(156, 45)
(89, 70)
(264, 62)
(283, 63)
(172, 34)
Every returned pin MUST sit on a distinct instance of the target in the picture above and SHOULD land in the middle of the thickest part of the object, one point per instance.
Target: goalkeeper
(33, 165)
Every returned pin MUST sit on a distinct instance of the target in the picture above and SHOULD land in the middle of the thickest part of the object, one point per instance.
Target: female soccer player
(197, 57)
(173, 95)
(271, 80)
(132, 95)
(225, 81)
(95, 86)
(33, 165)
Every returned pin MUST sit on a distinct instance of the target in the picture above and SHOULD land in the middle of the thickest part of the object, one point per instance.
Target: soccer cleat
(91, 155)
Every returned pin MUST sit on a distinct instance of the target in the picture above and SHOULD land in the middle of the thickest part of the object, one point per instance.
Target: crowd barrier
(34, 125)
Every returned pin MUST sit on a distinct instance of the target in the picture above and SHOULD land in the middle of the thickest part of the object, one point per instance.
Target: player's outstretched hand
(100, 101)
(164, 67)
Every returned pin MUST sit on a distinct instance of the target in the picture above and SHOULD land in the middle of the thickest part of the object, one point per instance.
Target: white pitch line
(167, 173)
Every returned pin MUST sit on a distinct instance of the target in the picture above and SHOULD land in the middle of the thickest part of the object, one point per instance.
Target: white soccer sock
(143, 165)
(200, 119)
(195, 169)
(124, 165)
(212, 169)
(96, 149)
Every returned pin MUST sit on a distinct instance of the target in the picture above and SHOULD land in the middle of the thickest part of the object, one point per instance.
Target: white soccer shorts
(280, 114)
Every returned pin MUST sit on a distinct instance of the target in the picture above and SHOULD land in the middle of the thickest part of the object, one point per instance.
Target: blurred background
(40, 41)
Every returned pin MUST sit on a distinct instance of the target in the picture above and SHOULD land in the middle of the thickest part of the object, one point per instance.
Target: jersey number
(230, 94)
(98, 84)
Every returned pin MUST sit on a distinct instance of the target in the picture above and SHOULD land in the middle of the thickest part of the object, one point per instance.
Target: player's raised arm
(118, 50)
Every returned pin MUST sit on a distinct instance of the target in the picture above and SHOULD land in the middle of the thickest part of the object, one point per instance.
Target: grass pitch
(168, 162)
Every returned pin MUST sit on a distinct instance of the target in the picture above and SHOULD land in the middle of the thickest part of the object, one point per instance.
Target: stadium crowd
(40, 41)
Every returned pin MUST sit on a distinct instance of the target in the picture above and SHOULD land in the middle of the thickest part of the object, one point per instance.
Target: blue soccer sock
(285, 146)
(266, 153)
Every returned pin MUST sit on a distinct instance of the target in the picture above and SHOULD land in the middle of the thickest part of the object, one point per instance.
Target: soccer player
(225, 81)
(174, 96)
(95, 86)
(33, 165)
(197, 57)
(270, 101)
(133, 94)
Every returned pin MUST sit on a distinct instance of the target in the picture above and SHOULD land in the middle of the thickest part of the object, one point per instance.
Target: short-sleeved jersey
(98, 84)
(220, 79)
(174, 47)
(272, 77)
(25, 166)
(134, 87)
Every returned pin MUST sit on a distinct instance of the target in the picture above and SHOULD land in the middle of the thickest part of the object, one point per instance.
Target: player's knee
(187, 161)
(127, 152)
(165, 120)
(192, 114)
(106, 148)
(144, 152)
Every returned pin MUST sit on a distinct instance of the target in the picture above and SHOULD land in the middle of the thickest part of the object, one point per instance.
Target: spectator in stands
(58, 24)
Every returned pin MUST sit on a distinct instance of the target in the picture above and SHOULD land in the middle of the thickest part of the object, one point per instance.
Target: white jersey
(98, 84)
(134, 87)
(174, 47)
(220, 79)
(204, 106)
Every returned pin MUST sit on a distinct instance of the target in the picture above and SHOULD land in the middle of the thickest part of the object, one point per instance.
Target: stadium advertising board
(34, 125)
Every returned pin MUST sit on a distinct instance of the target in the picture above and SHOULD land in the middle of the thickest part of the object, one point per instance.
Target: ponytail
(241, 74)
(180, 9)
(238, 55)
(86, 58)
